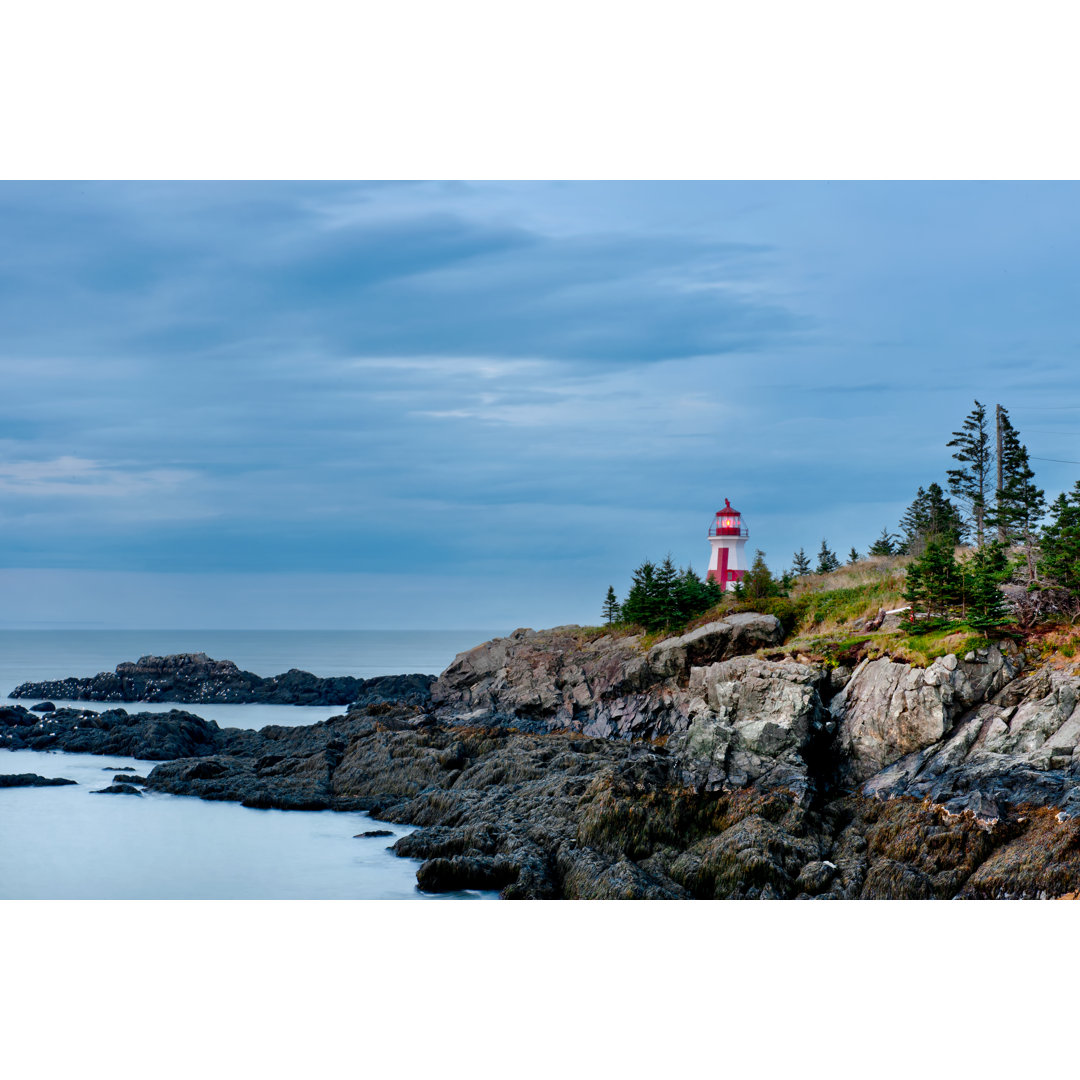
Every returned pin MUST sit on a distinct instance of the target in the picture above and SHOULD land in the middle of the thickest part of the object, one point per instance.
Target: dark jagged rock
(32, 780)
(372, 833)
(43, 707)
(117, 789)
(129, 778)
(151, 736)
(194, 678)
(760, 777)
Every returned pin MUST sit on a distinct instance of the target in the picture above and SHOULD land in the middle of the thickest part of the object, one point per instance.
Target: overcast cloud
(444, 397)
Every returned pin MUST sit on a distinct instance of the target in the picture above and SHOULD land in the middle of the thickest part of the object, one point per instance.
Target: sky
(479, 404)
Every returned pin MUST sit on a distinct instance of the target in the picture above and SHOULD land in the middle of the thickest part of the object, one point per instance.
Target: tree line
(990, 503)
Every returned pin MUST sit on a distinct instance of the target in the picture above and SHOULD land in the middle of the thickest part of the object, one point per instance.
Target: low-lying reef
(194, 678)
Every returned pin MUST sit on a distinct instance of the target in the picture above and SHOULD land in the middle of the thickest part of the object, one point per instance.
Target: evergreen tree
(972, 483)
(934, 584)
(930, 517)
(885, 544)
(758, 582)
(1060, 543)
(642, 605)
(853, 557)
(800, 564)
(611, 605)
(693, 596)
(666, 580)
(984, 572)
(827, 560)
(1019, 504)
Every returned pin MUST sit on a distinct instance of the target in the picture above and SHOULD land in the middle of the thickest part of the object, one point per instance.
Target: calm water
(36, 655)
(67, 843)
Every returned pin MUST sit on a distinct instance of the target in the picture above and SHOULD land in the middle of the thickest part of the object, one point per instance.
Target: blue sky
(477, 405)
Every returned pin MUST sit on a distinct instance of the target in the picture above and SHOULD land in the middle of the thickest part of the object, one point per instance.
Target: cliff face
(967, 732)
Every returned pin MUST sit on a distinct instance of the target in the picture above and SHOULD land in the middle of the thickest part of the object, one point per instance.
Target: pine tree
(1019, 504)
(800, 564)
(885, 544)
(827, 560)
(611, 605)
(853, 557)
(930, 517)
(1060, 543)
(972, 483)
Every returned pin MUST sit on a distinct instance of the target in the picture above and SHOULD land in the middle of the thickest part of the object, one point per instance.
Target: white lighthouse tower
(727, 539)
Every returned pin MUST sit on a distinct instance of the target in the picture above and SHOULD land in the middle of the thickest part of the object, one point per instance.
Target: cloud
(83, 478)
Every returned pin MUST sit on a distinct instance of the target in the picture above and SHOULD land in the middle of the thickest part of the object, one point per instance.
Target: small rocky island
(193, 679)
(716, 764)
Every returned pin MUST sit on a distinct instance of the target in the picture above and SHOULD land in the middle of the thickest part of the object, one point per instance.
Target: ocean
(68, 843)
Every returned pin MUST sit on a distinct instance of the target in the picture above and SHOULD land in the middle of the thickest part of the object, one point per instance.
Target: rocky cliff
(564, 764)
(194, 678)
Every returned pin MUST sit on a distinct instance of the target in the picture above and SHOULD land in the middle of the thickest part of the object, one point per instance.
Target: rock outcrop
(753, 721)
(889, 709)
(194, 678)
(1019, 748)
(562, 680)
(32, 780)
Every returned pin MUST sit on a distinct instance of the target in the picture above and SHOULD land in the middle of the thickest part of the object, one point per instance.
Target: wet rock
(118, 789)
(10, 780)
(372, 833)
(43, 707)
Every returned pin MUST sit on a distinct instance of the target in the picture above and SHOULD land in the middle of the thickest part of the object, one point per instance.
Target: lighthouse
(727, 540)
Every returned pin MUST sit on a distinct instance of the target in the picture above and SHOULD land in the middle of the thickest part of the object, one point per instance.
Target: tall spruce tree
(885, 544)
(1019, 504)
(972, 484)
(930, 517)
(611, 605)
(827, 560)
(853, 556)
(1059, 546)
(800, 564)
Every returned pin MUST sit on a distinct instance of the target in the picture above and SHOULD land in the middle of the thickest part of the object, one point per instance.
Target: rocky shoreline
(567, 764)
